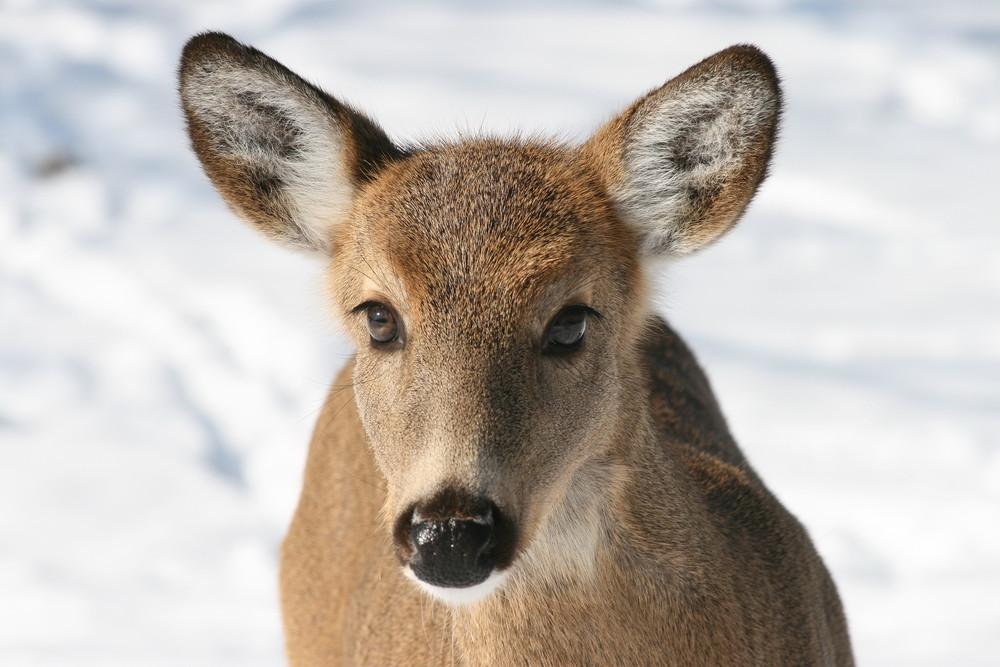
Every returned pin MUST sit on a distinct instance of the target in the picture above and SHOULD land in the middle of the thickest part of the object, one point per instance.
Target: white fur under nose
(460, 597)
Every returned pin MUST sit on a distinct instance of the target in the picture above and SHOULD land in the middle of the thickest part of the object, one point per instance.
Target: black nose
(453, 553)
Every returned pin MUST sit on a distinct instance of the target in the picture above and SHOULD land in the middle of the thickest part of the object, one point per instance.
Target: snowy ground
(160, 366)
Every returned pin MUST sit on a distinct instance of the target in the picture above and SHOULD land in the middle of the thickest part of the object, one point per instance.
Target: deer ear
(284, 155)
(682, 163)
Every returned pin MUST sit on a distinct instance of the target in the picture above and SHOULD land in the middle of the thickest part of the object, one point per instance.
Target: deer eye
(383, 325)
(565, 332)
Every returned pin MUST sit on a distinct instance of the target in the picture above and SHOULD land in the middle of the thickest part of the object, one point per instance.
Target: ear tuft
(284, 155)
(683, 162)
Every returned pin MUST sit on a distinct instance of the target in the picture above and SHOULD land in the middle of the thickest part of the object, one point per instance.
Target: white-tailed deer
(523, 464)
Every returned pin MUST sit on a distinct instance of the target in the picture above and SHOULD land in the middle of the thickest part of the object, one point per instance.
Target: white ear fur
(273, 128)
(285, 156)
(693, 152)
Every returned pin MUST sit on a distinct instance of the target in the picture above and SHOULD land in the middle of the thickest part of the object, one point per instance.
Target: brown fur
(642, 536)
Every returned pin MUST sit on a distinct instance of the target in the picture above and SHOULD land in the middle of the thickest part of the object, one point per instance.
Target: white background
(161, 366)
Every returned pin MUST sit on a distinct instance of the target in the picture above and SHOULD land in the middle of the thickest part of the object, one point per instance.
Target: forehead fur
(491, 219)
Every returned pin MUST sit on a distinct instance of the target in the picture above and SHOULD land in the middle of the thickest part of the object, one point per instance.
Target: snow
(161, 366)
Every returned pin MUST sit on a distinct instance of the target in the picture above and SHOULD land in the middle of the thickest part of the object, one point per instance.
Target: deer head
(495, 288)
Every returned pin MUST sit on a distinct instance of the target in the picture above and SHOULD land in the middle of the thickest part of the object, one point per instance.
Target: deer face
(489, 288)
(493, 288)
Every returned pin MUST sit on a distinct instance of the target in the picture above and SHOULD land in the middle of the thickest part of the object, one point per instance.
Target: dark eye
(566, 330)
(383, 326)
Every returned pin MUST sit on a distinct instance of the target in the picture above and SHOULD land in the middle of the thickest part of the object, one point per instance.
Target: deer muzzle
(454, 541)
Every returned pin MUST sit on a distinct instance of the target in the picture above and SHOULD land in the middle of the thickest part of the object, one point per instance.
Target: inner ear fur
(683, 162)
(285, 156)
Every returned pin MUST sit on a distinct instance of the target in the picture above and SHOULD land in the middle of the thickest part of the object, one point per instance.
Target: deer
(522, 463)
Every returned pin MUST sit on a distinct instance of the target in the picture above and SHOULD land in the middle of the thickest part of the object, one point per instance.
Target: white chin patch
(460, 597)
